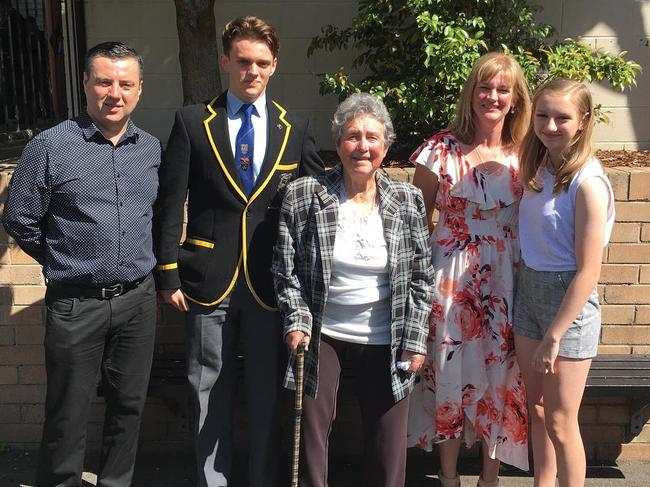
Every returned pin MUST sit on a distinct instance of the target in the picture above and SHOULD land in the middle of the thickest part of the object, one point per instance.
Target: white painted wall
(150, 26)
(614, 26)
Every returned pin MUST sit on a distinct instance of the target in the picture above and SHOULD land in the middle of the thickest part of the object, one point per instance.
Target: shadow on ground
(175, 470)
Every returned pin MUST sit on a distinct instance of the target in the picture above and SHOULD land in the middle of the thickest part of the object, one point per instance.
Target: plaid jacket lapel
(389, 205)
(326, 219)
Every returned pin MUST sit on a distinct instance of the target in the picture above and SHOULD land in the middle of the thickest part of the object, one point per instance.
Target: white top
(547, 220)
(236, 118)
(358, 302)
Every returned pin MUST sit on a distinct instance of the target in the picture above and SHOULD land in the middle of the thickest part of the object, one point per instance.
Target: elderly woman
(352, 275)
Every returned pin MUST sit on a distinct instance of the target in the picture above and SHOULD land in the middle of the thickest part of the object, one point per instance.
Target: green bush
(416, 54)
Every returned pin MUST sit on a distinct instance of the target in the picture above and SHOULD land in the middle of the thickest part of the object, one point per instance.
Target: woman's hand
(292, 339)
(417, 359)
(545, 355)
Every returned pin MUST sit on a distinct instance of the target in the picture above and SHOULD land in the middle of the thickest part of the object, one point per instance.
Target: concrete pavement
(173, 469)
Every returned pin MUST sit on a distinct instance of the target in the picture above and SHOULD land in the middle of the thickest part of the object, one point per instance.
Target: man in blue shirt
(80, 203)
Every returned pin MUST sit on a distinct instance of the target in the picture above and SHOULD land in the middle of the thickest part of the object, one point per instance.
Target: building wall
(150, 26)
(614, 26)
(295, 83)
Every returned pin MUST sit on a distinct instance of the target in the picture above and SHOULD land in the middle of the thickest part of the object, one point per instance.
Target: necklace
(496, 160)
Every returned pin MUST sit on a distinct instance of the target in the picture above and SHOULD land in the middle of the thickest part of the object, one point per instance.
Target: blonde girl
(566, 216)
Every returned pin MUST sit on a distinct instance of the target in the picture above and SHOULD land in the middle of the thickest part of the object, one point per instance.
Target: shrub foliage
(416, 54)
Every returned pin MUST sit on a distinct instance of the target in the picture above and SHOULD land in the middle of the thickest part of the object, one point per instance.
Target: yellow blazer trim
(276, 166)
(287, 167)
(248, 201)
(246, 275)
(226, 292)
(200, 243)
(206, 124)
(167, 267)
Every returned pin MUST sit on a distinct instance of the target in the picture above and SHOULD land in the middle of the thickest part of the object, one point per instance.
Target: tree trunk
(197, 40)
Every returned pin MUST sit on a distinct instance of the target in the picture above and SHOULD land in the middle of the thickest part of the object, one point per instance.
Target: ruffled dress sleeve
(434, 151)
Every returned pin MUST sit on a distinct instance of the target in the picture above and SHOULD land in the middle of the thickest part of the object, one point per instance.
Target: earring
(513, 109)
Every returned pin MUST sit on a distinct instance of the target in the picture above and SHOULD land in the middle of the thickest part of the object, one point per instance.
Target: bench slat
(622, 366)
(620, 381)
(643, 357)
(618, 373)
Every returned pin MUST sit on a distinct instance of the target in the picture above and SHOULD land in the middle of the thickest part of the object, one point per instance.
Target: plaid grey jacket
(302, 266)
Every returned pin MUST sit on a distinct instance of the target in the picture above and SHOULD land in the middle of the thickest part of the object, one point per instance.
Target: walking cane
(297, 410)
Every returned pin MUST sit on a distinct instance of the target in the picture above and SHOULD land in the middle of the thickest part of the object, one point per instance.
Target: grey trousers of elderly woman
(384, 421)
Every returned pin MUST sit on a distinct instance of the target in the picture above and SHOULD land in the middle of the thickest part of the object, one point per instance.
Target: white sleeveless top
(358, 301)
(547, 220)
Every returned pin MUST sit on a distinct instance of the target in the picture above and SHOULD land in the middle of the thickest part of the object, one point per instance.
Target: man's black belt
(106, 292)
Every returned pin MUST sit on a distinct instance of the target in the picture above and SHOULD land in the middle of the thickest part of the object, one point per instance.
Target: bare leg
(562, 393)
(490, 466)
(449, 457)
(543, 451)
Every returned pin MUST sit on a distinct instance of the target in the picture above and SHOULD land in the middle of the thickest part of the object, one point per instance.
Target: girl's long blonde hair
(533, 153)
(463, 125)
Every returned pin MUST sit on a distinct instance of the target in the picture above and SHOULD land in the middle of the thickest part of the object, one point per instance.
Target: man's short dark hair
(252, 28)
(112, 50)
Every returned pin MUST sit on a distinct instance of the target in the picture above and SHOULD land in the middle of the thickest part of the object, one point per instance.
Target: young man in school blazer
(233, 156)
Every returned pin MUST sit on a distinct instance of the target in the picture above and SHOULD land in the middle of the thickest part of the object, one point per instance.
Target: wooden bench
(623, 375)
(610, 375)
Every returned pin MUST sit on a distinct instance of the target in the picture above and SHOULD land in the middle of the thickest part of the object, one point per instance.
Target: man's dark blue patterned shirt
(82, 206)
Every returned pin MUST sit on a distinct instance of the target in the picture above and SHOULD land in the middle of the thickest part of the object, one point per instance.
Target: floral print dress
(470, 386)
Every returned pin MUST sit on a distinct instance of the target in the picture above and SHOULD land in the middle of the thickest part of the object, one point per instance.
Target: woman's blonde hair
(533, 153)
(485, 68)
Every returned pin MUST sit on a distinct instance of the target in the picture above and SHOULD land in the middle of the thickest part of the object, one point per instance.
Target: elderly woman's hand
(416, 359)
(292, 339)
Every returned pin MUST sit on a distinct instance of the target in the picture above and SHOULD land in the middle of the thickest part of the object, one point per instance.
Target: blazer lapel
(326, 220)
(216, 128)
(389, 205)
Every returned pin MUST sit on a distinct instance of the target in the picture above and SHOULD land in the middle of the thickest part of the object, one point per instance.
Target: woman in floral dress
(470, 387)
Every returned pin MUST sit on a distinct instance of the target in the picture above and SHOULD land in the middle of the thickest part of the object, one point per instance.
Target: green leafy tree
(416, 55)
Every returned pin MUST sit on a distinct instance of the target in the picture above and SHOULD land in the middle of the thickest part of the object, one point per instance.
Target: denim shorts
(537, 299)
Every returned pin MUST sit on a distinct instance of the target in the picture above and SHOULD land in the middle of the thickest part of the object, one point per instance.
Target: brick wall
(624, 290)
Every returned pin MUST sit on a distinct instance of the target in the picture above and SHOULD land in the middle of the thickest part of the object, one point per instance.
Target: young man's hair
(112, 50)
(252, 28)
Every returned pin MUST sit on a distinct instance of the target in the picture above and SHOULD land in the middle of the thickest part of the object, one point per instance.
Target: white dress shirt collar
(234, 104)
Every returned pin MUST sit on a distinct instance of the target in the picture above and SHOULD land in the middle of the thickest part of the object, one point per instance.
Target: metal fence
(25, 94)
